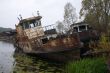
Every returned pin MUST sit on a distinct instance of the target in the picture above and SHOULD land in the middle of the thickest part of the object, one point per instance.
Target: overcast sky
(50, 10)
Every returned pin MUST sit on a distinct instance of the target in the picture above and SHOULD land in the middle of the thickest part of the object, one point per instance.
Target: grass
(95, 65)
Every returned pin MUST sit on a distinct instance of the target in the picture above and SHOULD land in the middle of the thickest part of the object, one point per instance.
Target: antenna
(38, 13)
(20, 17)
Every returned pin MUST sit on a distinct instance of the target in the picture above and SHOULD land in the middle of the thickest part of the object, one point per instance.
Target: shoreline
(9, 39)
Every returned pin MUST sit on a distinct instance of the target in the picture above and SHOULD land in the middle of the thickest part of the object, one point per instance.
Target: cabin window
(37, 23)
(34, 24)
(26, 26)
(82, 28)
(44, 40)
(31, 25)
(75, 29)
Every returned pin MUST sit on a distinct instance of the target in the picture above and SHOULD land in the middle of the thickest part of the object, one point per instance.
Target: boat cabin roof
(51, 31)
(79, 24)
(31, 19)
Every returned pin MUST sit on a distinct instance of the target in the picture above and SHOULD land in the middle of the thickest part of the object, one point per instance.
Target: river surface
(6, 57)
(21, 63)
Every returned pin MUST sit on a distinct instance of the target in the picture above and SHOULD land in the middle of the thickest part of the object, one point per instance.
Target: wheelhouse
(30, 27)
(80, 27)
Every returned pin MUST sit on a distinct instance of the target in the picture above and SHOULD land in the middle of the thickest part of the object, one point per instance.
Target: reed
(95, 65)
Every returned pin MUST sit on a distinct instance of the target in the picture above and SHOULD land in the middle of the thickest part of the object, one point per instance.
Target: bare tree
(70, 16)
(60, 27)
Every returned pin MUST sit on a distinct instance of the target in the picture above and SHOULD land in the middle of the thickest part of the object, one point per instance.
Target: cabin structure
(80, 27)
(50, 32)
(31, 37)
(85, 32)
(28, 30)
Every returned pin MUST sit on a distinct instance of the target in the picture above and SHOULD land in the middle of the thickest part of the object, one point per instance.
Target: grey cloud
(51, 10)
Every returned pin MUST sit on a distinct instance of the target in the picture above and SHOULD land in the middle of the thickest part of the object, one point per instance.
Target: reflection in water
(6, 57)
(24, 63)
(32, 64)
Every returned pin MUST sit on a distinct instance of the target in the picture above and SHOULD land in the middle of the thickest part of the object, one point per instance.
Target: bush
(102, 45)
(96, 65)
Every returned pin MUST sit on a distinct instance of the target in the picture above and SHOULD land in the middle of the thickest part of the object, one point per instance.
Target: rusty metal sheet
(34, 32)
(62, 44)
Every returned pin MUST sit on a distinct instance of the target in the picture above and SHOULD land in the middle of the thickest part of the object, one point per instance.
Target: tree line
(96, 13)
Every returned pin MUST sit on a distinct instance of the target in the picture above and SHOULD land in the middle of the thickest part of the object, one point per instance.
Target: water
(21, 63)
(6, 57)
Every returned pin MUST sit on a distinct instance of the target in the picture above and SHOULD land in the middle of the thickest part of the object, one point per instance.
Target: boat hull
(57, 56)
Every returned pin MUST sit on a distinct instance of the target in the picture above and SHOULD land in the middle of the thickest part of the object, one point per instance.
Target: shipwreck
(32, 38)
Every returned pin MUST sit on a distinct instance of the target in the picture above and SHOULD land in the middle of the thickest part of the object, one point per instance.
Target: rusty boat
(33, 38)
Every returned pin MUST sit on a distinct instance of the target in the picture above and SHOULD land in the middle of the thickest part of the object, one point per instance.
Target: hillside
(4, 29)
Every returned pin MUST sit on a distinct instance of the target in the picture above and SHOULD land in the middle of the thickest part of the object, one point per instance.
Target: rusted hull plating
(53, 45)
(31, 37)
